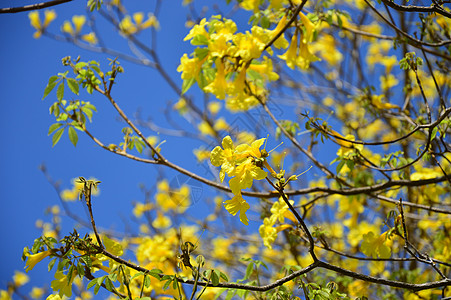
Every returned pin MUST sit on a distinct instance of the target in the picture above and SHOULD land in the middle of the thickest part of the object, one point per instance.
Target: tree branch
(42, 5)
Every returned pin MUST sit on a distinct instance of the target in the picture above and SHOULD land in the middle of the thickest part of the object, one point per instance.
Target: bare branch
(41, 5)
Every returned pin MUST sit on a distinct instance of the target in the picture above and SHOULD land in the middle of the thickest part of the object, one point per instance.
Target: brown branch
(293, 18)
(42, 5)
(413, 41)
(280, 282)
(413, 8)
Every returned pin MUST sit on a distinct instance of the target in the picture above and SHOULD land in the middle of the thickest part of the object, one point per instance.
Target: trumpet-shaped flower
(281, 42)
(224, 157)
(190, 67)
(268, 232)
(245, 173)
(35, 21)
(305, 56)
(63, 284)
(238, 204)
(198, 29)
(218, 86)
(290, 55)
(129, 26)
(309, 29)
(265, 68)
(90, 38)
(33, 259)
(79, 22)
(247, 46)
(20, 278)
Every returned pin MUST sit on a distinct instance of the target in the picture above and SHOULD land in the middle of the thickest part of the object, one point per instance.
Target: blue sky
(26, 64)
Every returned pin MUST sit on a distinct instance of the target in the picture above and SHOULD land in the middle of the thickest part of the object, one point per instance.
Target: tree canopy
(301, 151)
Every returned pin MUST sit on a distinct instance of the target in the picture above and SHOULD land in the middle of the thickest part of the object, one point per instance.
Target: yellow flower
(62, 284)
(310, 28)
(248, 46)
(221, 249)
(268, 232)
(20, 278)
(305, 57)
(90, 38)
(224, 157)
(53, 297)
(290, 55)
(214, 107)
(280, 210)
(127, 27)
(177, 200)
(190, 68)
(33, 259)
(265, 68)
(221, 124)
(281, 42)
(250, 5)
(327, 49)
(50, 15)
(198, 29)
(218, 86)
(206, 129)
(36, 293)
(35, 21)
(376, 100)
(161, 221)
(150, 22)
(78, 21)
(141, 208)
(247, 170)
(201, 154)
(4, 295)
(67, 27)
(238, 204)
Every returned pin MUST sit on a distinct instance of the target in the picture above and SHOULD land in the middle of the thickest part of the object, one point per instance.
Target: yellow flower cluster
(74, 31)
(35, 21)
(298, 54)
(129, 26)
(225, 63)
(177, 200)
(239, 163)
(279, 211)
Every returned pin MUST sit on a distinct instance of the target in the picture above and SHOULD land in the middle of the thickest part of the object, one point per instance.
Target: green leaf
(91, 283)
(57, 136)
(139, 146)
(201, 53)
(166, 284)
(146, 281)
(108, 284)
(60, 92)
(87, 260)
(70, 273)
(80, 269)
(54, 127)
(50, 86)
(199, 39)
(88, 113)
(249, 270)
(96, 289)
(223, 276)
(51, 264)
(187, 84)
(73, 85)
(73, 137)
(214, 278)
